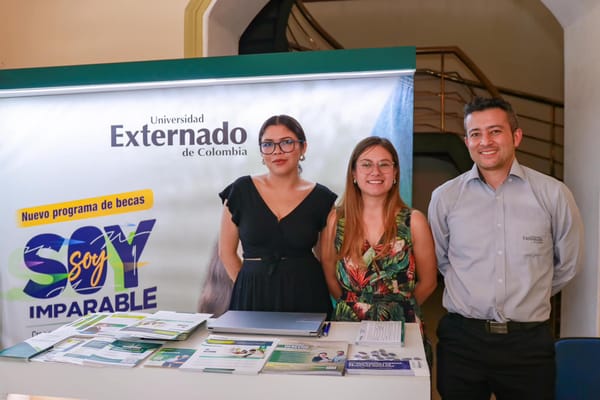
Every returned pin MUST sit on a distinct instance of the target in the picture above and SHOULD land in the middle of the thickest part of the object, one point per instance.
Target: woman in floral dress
(378, 254)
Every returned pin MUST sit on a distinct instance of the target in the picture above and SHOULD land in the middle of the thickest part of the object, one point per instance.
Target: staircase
(267, 31)
(445, 80)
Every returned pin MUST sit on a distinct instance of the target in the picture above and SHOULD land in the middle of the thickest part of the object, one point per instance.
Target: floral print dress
(382, 289)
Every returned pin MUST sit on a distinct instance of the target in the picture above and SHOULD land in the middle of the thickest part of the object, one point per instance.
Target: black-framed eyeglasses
(286, 146)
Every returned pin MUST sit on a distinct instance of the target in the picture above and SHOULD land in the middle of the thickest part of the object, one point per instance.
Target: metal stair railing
(446, 79)
(305, 33)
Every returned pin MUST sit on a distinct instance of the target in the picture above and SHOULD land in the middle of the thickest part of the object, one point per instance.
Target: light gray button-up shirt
(504, 252)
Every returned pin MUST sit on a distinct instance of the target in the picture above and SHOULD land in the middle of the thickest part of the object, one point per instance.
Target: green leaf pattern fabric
(383, 290)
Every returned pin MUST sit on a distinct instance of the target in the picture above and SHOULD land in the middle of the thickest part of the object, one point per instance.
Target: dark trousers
(473, 363)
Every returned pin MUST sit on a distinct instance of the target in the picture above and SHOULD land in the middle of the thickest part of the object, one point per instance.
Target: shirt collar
(515, 170)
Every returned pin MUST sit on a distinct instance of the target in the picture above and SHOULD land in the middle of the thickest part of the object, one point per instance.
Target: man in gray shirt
(507, 238)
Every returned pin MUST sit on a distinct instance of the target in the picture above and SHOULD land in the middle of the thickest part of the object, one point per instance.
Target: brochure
(166, 325)
(109, 324)
(35, 345)
(314, 357)
(162, 325)
(105, 350)
(234, 355)
(53, 354)
(169, 357)
(384, 360)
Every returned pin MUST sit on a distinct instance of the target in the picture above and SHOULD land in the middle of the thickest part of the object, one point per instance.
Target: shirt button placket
(500, 259)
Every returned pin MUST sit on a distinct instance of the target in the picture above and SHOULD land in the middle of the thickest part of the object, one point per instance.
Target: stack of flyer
(379, 350)
(166, 325)
(121, 338)
(162, 325)
(170, 357)
(26, 350)
(100, 351)
(383, 360)
(109, 324)
(232, 355)
(310, 357)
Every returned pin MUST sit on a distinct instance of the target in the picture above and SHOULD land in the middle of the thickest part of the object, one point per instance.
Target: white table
(112, 383)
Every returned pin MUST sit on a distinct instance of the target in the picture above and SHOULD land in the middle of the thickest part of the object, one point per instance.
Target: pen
(361, 335)
(326, 328)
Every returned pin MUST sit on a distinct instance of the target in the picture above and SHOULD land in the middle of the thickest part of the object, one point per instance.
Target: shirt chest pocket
(531, 233)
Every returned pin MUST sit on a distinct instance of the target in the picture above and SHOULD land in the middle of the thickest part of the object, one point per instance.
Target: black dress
(279, 271)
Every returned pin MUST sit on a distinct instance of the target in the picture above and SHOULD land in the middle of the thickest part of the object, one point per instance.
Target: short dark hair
(485, 103)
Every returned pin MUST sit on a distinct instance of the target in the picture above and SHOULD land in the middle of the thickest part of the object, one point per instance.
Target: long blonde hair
(351, 206)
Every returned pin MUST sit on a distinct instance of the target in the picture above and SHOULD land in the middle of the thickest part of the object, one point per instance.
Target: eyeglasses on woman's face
(385, 166)
(285, 145)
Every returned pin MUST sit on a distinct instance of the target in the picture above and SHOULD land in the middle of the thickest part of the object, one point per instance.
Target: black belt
(272, 261)
(491, 326)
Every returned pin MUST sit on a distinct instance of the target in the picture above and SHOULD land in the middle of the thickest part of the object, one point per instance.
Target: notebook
(268, 323)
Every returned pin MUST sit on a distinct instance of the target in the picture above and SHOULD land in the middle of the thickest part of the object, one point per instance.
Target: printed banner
(110, 198)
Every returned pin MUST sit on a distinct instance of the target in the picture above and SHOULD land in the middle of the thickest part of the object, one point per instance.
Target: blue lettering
(130, 251)
(59, 309)
(87, 260)
(122, 302)
(74, 310)
(89, 306)
(54, 279)
(150, 298)
(105, 305)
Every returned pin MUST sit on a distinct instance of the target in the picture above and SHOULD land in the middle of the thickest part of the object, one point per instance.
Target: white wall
(225, 22)
(581, 311)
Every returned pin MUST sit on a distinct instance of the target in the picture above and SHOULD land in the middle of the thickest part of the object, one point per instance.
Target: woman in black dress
(278, 217)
